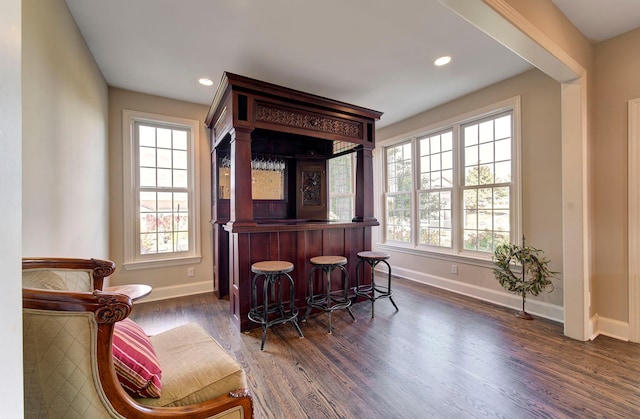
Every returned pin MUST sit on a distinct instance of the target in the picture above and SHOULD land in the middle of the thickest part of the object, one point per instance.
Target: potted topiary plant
(536, 275)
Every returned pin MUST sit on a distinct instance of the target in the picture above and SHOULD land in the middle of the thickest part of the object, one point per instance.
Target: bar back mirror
(267, 177)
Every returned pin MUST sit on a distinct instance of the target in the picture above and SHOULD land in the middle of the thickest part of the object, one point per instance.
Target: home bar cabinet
(270, 147)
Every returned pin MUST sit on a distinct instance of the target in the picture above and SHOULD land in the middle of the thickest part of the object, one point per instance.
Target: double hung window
(486, 186)
(399, 192)
(161, 221)
(435, 189)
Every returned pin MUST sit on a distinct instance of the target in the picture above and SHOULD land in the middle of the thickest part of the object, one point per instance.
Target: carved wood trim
(112, 309)
(282, 115)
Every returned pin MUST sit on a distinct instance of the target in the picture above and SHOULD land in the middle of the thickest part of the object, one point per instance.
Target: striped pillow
(135, 360)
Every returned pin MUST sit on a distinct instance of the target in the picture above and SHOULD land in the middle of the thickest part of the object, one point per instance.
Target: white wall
(65, 119)
(11, 396)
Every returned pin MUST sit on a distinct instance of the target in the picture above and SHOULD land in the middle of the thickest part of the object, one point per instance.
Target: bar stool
(330, 300)
(274, 312)
(369, 290)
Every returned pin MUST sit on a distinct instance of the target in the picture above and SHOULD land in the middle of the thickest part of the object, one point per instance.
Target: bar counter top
(296, 225)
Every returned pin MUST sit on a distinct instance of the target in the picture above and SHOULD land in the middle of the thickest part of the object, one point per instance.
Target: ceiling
(375, 54)
(599, 20)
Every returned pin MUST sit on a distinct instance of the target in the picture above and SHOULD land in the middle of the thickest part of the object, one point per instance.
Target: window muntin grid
(487, 183)
(399, 171)
(436, 170)
(162, 189)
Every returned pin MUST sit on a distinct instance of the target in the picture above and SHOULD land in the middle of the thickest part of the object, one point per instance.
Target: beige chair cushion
(194, 366)
(61, 280)
(59, 363)
(47, 280)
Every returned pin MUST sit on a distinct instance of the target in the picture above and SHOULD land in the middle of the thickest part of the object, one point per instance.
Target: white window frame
(418, 188)
(133, 259)
(457, 252)
(411, 193)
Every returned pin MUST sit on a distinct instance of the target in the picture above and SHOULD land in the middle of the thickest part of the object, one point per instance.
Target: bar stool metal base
(271, 313)
(369, 291)
(330, 300)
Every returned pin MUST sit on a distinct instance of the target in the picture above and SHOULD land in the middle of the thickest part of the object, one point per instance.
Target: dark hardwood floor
(442, 356)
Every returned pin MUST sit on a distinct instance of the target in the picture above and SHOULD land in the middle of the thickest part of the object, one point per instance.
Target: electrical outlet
(191, 271)
(454, 269)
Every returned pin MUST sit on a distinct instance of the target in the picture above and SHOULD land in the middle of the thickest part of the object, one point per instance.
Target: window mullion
(456, 204)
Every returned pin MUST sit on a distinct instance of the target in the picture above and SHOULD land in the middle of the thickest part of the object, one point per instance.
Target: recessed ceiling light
(205, 82)
(442, 60)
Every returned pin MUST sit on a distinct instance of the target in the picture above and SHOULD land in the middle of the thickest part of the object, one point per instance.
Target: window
(435, 189)
(161, 217)
(465, 199)
(399, 190)
(487, 183)
(341, 189)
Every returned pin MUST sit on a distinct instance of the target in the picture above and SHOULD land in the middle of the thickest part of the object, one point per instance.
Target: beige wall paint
(617, 80)
(545, 16)
(11, 394)
(541, 177)
(65, 173)
(175, 276)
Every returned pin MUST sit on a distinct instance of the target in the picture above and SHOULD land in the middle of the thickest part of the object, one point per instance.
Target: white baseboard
(173, 291)
(608, 327)
(538, 308)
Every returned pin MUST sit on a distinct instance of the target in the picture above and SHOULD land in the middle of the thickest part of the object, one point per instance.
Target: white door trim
(634, 219)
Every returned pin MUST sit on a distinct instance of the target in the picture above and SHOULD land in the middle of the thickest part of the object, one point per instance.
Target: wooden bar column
(364, 185)
(241, 215)
(241, 211)
(220, 256)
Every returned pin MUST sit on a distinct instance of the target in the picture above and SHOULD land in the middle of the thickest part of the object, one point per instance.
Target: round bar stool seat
(329, 301)
(274, 312)
(328, 260)
(271, 266)
(369, 290)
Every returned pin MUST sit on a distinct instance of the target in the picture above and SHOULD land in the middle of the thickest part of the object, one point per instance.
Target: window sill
(476, 258)
(159, 263)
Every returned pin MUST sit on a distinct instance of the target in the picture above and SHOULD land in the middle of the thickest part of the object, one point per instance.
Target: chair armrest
(107, 308)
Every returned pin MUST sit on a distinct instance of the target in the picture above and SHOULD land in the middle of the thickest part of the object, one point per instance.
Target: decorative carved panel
(281, 115)
(312, 187)
(312, 190)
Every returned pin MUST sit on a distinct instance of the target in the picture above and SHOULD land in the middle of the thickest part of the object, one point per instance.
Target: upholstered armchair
(70, 370)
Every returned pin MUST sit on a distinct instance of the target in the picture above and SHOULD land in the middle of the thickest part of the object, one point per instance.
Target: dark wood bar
(270, 148)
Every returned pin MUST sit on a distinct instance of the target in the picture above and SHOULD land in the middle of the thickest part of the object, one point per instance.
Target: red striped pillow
(135, 360)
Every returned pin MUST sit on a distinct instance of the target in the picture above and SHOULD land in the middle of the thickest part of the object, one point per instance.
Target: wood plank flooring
(441, 356)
